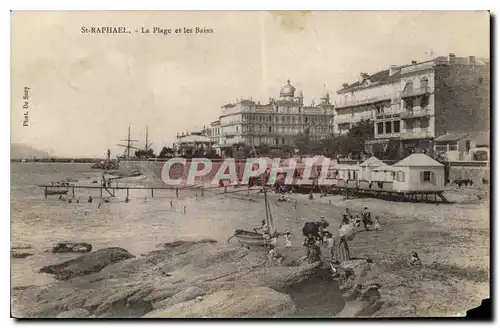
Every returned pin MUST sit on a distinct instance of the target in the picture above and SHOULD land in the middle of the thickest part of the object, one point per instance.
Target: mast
(269, 216)
(128, 139)
(128, 146)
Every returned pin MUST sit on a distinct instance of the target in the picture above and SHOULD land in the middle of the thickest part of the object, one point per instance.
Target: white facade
(383, 173)
(418, 172)
(277, 123)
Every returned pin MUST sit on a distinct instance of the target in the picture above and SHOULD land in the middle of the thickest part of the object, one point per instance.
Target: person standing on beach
(367, 218)
(288, 242)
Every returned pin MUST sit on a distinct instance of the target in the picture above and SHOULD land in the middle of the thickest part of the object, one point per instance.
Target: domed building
(277, 123)
(287, 92)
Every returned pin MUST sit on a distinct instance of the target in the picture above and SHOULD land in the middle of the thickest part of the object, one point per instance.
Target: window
(400, 176)
(270, 129)
(283, 140)
(441, 148)
(426, 176)
(408, 86)
(480, 80)
(277, 141)
(424, 83)
(380, 128)
(306, 119)
(397, 127)
(409, 104)
(467, 145)
(236, 129)
(424, 124)
(424, 101)
(453, 146)
(388, 127)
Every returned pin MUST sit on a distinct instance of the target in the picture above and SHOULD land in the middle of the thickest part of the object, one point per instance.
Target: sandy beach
(452, 240)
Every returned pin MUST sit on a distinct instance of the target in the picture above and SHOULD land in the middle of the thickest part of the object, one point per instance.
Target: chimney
(361, 77)
(414, 62)
(345, 85)
(451, 58)
(472, 60)
(393, 69)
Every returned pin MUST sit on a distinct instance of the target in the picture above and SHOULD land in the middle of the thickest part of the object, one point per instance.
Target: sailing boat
(254, 238)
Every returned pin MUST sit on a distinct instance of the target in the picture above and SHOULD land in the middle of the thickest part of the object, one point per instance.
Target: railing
(387, 135)
(415, 113)
(351, 103)
(416, 135)
(415, 92)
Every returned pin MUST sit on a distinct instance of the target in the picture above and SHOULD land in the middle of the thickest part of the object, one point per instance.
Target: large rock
(74, 314)
(88, 263)
(184, 295)
(250, 302)
(19, 255)
(67, 247)
(105, 284)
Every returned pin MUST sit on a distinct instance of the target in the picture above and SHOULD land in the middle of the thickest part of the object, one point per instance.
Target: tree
(145, 154)
(358, 135)
(303, 142)
(262, 150)
(166, 152)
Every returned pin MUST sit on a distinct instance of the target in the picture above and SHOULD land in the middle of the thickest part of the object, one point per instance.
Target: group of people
(365, 219)
(271, 242)
(317, 237)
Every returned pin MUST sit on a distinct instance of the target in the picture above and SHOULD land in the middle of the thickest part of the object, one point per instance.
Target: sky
(86, 89)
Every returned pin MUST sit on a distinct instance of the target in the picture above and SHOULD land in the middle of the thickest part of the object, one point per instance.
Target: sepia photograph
(249, 164)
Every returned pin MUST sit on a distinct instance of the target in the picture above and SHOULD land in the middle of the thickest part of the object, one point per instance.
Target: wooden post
(177, 192)
(73, 190)
(101, 191)
(152, 189)
(171, 204)
(127, 192)
(184, 209)
(46, 191)
(225, 189)
(201, 191)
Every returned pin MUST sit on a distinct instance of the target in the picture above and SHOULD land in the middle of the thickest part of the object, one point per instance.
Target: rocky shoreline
(201, 278)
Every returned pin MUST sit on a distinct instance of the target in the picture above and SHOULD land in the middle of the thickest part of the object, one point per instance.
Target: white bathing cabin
(418, 172)
(367, 167)
(383, 173)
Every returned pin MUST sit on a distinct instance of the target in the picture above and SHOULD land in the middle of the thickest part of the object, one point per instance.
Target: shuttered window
(427, 176)
(400, 176)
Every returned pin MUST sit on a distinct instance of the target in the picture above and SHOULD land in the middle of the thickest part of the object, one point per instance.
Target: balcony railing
(351, 103)
(416, 134)
(415, 113)
(343, 119)
(415, 92)
(387, 135)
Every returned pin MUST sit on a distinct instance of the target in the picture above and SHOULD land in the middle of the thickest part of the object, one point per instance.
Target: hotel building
(418, 102)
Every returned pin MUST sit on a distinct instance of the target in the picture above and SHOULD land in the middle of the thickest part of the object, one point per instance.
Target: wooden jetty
(111, 190)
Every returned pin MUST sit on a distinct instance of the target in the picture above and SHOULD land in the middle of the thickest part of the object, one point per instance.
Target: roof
(418, 159)
(450, 137)
(193, 138)
(372, 162)
(379, 77)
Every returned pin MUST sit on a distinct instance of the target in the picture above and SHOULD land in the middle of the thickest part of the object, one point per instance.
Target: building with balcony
(414, 104)
(276, 123)
(190, 144)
